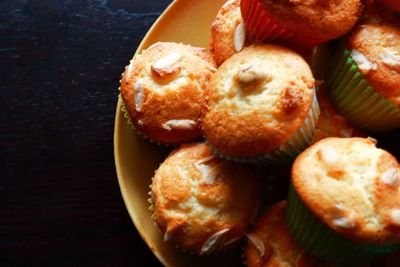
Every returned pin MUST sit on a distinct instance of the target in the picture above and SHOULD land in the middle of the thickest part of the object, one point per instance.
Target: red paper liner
(264, 27)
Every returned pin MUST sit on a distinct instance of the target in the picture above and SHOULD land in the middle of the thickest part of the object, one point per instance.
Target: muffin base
(265, 28)
(356, 99)
(129, 121)
(317, 239)
(286, 153)
(124, 110)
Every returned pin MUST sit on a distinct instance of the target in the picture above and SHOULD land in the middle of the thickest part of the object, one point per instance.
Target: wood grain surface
(60, 63)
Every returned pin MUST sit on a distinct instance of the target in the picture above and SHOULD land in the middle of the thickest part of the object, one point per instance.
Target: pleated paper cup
(287, 152)
(264, 27)
(322, 242)
(130, 123)
(356, 99)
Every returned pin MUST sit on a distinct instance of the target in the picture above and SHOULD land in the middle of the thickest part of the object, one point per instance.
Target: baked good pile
(252, 105)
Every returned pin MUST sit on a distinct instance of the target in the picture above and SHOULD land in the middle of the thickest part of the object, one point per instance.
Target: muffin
(365, 75)
(330, 122)
(271, 245)
(203, 204)
(395, 4)
(228, 33)
(300, 23)
(163, 91)
(343, 205)
(261, 105)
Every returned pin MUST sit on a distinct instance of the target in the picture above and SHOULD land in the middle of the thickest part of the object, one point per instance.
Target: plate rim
(117, 120)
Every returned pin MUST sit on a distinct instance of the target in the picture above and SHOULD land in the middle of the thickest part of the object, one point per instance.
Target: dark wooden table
(60, 63)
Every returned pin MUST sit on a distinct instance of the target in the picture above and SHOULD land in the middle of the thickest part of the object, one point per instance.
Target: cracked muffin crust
(162, 89)
(375, 47)
(270, 243)
(352, 187)
(202, 203)
(257, 100)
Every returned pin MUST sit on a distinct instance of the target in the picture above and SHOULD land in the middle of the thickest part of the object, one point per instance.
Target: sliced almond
(209, 174)
(391, 57)
(206, 159)
(343, 222)
(129, 71)
(344, 218)
(179, 124)
(328, 155)
(362, 61)
(373, 140)
(258, 243)
(171, 230)
(138, 92)
(167, 65)
(211, 68)
(340, 207)
(395, 216)
(167, 237)
(391, 177)
(239, 37)
(213, 243)
(251, 75)
(227, 4)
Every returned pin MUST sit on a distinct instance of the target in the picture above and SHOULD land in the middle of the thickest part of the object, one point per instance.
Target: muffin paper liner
(125, 112)
(317, 239)
(286, 153)
(356, 99)
(264, 27)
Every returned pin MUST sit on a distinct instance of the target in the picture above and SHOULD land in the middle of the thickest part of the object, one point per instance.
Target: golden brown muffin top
(257, 99)
(375, 47)
(163, 88)
(270, 243)
(203, 203)
(330, 122)
(228, 33)
(322, 20)
(352, 187)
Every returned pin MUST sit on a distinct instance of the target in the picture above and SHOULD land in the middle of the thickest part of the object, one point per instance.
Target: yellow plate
(189, 22)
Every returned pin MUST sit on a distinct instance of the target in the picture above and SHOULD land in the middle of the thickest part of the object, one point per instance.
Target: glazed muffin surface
(271, 245)
(203, 203)
(257, 99)
(162, 89)
(375, 47)
(352, 187)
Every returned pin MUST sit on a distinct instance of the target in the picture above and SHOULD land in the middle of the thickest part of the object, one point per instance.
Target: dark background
(60, 63)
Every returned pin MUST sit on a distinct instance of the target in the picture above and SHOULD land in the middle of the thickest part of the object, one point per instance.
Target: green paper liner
(286, 153)
(356, 99)
(322, 242)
